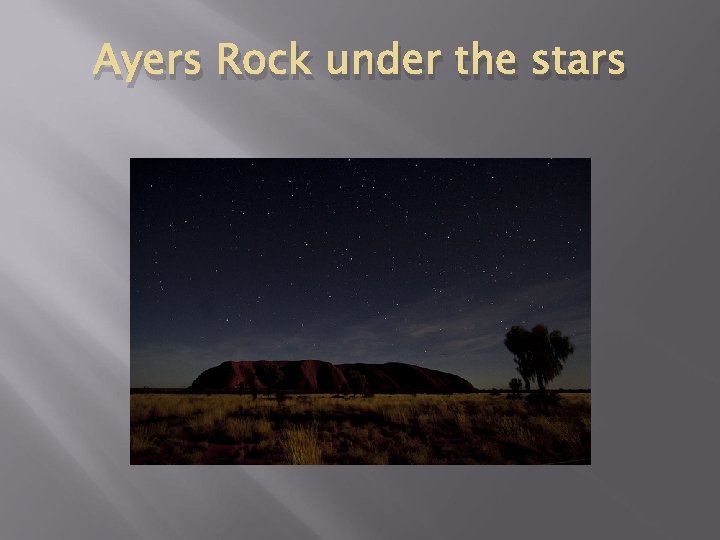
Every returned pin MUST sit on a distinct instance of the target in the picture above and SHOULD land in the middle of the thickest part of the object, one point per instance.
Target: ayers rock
(318, 376)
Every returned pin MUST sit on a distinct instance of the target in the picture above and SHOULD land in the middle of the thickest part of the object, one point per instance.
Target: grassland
(384, 429)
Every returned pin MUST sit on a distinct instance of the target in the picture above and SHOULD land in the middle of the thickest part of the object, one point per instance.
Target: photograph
(360, 311)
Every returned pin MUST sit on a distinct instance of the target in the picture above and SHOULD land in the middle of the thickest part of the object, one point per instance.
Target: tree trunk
(541, 384)
(543, 395)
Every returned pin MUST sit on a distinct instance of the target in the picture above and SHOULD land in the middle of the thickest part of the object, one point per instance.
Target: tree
(539, 355)
(515, 385)
(518, 341)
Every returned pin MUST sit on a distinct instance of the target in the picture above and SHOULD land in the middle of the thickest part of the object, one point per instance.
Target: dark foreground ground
(383, 429)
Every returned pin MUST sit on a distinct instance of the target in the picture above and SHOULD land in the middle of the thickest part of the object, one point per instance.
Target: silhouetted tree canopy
(515, 385)
(539, 355)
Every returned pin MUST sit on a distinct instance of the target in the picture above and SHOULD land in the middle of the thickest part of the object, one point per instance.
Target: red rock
(318, 376)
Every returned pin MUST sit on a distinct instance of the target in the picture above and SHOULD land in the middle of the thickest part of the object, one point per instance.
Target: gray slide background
(65, 144)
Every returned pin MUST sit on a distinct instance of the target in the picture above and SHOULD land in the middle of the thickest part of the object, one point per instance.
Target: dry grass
(459, 428)
(240, 429)
(147, 436)
(301, 447)
(141, 439)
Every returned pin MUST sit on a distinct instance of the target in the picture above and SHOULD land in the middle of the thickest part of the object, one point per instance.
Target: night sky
(425, 261)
